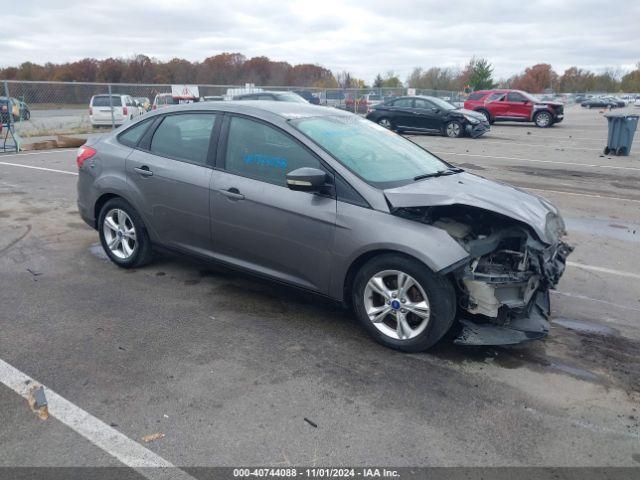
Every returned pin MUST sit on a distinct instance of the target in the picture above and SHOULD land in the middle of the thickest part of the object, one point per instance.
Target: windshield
(442, 104)
(379, 156)
(291, 97)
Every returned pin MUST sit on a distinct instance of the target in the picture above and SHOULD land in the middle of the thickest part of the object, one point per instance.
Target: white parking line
(591, 195)
(591, 299)
(40, 152)
(127, 451)
(534, 160)
(559, 147)
(38, 168)
(609, 271)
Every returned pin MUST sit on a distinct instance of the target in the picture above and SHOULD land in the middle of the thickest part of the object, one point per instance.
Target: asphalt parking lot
(228, 367)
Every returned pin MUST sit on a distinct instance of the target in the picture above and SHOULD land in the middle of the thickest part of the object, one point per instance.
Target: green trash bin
(621, 130)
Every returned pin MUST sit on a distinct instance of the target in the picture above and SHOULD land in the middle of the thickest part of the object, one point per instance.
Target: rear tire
(487, 115)
(411, 332)
(123, 234)
(386, 123)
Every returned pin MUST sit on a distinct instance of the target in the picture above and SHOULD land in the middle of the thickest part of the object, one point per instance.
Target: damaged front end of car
(503, 285)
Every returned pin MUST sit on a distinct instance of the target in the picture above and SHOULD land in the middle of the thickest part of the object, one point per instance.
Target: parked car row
(604, 102)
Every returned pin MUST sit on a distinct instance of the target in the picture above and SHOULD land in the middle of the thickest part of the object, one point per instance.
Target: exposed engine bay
(503, 286)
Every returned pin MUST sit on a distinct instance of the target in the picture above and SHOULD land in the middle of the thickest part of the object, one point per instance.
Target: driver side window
(515, 97)
(258, 151)
(403, 103)
(421, 103)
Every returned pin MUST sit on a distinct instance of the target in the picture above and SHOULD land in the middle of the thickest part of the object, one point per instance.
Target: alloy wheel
(385, 123)
(396, 304)
(543, 119)
(453, 129)
(119, 233)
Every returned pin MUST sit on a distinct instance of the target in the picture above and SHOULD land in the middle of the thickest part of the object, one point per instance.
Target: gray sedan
(329, 202)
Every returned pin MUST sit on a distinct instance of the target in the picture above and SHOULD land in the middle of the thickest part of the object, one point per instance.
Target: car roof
(275, 92)
(286, 110)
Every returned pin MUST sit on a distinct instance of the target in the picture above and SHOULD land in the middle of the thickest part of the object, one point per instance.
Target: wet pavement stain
(584, 327)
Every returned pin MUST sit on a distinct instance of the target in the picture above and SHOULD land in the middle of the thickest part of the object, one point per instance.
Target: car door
(426, 115)
(401, 112)
(518, 106)
(497, 105)
(169, 175)
(256, 221)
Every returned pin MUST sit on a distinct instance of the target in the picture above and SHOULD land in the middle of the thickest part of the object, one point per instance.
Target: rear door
(260, 224)
(170, 173)
(518, 106)
(402, 113)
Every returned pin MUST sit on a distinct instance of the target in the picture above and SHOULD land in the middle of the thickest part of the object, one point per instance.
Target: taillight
(84, 153)
(90, 111)
(124, 111)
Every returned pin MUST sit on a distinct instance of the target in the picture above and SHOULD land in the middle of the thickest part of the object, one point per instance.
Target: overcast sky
(364, 37)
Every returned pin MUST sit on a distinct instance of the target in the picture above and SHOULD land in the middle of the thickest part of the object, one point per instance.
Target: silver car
(329, 202)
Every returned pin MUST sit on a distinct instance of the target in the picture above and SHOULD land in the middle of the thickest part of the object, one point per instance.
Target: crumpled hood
(552, 103)
(474, 191)
(470, 113)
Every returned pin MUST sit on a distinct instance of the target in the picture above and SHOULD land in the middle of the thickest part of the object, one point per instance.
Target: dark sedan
(428, 114)
(603, 102)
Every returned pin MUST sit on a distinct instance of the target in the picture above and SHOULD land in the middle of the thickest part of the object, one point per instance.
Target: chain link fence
(38, 111)
(46, 109)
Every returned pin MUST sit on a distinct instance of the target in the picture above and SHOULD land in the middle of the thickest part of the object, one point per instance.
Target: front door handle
(232, 193)
(144, 171)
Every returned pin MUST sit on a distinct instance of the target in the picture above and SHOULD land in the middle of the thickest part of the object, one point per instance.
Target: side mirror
(306, 179)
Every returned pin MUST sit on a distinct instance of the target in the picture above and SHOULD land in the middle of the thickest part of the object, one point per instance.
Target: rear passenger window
(132, 136)
(258, 151)
(184, 137)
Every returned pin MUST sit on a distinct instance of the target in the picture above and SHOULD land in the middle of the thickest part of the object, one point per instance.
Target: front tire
(402, 304)
(453, 129)
(543, 119)
(123, 234)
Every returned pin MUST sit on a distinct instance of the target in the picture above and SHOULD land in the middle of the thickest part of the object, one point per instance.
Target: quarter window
(258, 151)
(132, 136)
(184, 137)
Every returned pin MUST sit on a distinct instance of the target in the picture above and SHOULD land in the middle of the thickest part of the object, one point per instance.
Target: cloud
(364, 37)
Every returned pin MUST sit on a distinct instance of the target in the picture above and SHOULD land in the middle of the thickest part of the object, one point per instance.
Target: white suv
(124, 108)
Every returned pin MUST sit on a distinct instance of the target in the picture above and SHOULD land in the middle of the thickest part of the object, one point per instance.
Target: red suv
(514, 106)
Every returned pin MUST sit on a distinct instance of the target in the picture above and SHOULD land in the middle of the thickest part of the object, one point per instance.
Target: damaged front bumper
(532, 324)
(505, 294)
(474, 131)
